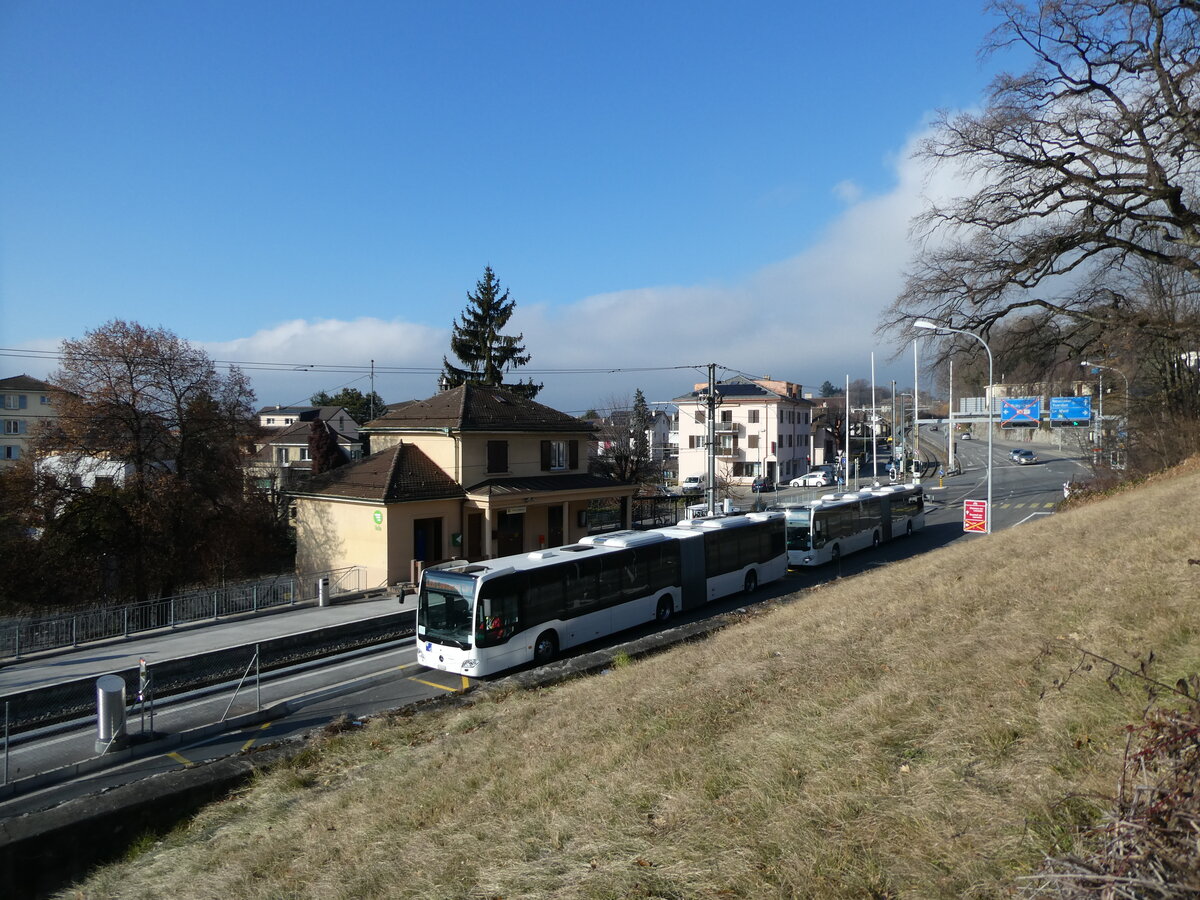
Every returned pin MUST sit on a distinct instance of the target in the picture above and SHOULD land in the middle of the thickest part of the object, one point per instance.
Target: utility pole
(711, 429)
(916, 419)
(874, 423)
(950, 436)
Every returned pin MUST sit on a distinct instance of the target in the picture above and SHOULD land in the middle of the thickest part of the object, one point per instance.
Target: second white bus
(479, 618)
(824, 530)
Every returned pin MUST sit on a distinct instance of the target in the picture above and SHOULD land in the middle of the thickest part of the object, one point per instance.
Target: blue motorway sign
(1070, 410)
(1021, 411)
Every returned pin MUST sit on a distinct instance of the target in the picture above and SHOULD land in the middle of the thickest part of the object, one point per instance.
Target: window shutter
(21, 403)
(545, 456)
(497, 456)
(573, 454)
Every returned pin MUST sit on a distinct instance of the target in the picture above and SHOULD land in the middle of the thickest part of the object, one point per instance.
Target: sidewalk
(118, 654)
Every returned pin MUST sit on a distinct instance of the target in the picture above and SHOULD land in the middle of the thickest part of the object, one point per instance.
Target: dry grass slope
(901, 734)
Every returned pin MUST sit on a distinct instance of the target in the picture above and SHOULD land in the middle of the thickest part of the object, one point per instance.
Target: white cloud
(848, 191)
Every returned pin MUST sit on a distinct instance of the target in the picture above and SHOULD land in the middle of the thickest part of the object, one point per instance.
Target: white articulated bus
(479, 618)
(824, 530)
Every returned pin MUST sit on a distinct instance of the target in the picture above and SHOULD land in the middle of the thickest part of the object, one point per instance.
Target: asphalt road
(291, 704)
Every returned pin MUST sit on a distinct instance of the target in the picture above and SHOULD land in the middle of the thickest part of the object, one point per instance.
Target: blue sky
(318, 183)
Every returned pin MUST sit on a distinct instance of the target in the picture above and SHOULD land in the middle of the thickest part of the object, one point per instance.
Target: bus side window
(499, 614)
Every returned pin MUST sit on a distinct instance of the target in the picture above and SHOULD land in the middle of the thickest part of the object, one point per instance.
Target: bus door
(885, 528)
(691, 571)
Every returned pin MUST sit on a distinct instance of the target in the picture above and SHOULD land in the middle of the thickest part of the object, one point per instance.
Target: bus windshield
(797, 529)
(444, 609)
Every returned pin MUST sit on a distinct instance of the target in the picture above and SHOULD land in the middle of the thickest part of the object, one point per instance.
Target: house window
(752, 441)
(497, 456)
(700, 417)
(560, 455)
(12, 452)
(752, 417)
(14, 401)
(727, 415)
(104, 481)
(270, 420)
(14, 426)
(305, 456)
(45, 401)
(281, 454)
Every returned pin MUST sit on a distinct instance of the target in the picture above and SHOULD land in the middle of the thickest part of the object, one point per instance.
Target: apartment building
(762, 426)
(25, 403)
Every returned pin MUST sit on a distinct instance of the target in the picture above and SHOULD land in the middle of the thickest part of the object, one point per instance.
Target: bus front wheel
(835, 554)
(666, 608)
(908, 530)
(545, 648)
(751, 582)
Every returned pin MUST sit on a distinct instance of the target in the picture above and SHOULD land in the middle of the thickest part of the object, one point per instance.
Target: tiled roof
(541, 483)
(741, 390)
(25, 383)
(473, 407)
(397, 474)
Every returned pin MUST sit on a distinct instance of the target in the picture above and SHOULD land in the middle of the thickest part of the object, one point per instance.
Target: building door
(427, 540)
(510, 534)
(474, 541)
(554, 526)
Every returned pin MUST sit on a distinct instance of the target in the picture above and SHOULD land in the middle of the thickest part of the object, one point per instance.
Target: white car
(812, 479)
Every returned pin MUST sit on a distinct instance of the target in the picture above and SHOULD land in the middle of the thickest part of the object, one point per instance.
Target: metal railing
(209, 604)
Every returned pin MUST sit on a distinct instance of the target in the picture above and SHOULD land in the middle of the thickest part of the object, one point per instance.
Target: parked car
(812, 479)
(1025, 457)
(762, 484)
(693, 484)
(965, 436)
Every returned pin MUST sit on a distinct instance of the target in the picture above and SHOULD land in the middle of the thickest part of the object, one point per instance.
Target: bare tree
(626, 454)
(1084, 163)
(148, 401)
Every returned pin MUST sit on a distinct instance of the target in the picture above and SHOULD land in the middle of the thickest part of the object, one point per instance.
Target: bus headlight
(469, 664)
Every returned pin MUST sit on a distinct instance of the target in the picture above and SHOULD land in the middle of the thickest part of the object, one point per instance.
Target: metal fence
(208, 604)
(71, 700)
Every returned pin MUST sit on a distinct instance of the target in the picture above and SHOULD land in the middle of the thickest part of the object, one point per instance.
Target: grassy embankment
(905, 733)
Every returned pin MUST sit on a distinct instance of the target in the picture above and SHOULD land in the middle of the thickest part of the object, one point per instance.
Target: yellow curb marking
(432, 684)
(181, 759)
(246, 746)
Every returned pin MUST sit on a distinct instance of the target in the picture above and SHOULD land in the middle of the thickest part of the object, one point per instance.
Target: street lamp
(1100, 416)
(934, 326)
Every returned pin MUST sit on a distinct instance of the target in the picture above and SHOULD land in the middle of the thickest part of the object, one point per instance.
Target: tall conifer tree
(478, 344)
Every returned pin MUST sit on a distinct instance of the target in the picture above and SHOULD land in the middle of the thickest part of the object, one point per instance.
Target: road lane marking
(182, 760)
(433, 684)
